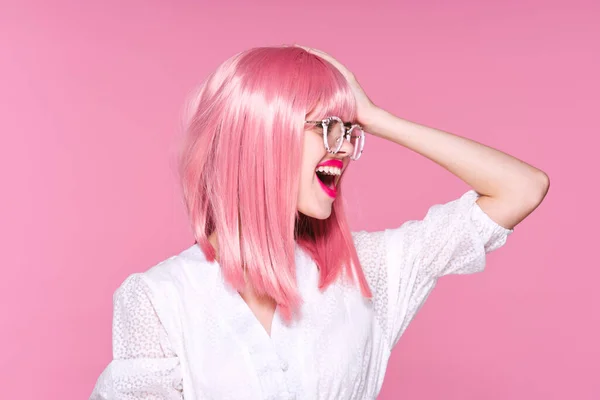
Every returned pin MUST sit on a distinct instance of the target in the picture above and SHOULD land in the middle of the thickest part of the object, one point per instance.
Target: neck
(212, 239)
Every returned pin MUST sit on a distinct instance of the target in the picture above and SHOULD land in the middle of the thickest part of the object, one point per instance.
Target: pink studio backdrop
(91, 94)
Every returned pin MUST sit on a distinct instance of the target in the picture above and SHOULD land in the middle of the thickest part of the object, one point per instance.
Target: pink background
(91, 94)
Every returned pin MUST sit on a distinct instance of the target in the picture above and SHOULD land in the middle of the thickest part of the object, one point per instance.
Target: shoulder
(187, 270)
(173, 276)
(369, 247)
(169, 287)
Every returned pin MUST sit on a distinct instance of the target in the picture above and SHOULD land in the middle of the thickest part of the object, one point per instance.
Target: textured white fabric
(179, 330)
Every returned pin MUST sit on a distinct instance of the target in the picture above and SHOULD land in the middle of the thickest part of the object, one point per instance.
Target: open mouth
(328, 173)
(327, 180)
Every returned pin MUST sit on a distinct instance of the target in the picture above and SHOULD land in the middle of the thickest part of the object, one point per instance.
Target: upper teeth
(330, 170)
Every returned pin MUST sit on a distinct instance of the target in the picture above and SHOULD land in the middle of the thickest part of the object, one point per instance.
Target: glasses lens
(357, 138)
(335, 133)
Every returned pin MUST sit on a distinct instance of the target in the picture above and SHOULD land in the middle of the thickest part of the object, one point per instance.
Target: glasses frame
(347, 135)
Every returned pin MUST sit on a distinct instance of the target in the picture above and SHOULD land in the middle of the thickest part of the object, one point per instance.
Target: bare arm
(511, 189)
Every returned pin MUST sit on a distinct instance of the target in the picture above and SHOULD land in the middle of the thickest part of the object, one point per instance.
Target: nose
(346, 150)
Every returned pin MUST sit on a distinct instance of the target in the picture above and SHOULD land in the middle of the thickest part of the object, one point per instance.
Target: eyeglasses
(335, 131)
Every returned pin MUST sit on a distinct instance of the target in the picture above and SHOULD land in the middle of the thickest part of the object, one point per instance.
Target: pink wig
(240, 169)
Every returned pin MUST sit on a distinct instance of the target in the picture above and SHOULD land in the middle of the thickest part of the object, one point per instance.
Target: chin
(317, 213)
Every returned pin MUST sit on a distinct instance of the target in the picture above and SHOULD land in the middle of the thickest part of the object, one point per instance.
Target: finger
(341, 67)
(312, 50)
(320, 53)
(304, 47)
(333, 61)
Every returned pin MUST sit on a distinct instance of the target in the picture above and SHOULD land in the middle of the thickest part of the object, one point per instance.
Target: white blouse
(180, 330)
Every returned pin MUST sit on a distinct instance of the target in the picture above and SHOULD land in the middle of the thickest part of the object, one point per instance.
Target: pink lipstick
(330, 188)
(332, 163)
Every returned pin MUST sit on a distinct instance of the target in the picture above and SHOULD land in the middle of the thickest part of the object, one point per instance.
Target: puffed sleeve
(144, 366)
(402, 265)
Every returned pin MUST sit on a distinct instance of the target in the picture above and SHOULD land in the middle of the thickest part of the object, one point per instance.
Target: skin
(510, 189)
(312, 200)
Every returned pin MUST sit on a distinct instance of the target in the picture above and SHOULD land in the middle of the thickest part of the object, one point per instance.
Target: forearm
(487, 170)
(511, 187)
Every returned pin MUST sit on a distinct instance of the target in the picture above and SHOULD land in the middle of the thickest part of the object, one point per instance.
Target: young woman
(277, 299)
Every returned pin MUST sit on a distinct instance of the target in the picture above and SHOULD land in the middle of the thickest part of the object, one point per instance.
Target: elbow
(539, 187)
(544, 185)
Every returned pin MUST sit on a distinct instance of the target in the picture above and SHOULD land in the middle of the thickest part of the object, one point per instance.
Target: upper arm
(137, 329)
(144, 364)
(508, 211)
(452, 238)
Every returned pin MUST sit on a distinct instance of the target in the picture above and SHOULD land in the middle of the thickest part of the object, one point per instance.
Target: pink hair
(240, 169)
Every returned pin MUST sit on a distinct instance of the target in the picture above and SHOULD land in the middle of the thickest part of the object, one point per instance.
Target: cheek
(306, 181)
(306, 189)
(312, 152)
